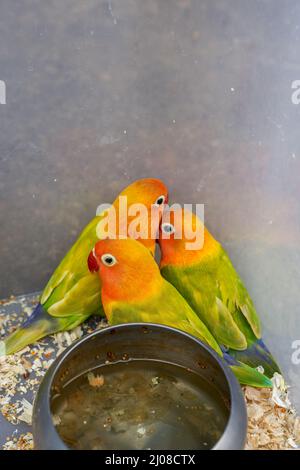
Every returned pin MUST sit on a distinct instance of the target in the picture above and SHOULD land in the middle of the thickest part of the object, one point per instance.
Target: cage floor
(269, 426)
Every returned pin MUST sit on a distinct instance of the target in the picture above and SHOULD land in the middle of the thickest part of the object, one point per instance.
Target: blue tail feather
(38, 325)
(257, 354)
(38, 313)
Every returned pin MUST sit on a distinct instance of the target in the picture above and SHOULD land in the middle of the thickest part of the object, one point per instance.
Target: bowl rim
(238, 411)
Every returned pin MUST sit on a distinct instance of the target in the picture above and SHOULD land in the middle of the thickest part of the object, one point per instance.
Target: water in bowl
(139, 404)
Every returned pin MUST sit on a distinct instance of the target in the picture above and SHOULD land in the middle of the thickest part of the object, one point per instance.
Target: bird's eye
(108, 259)
(168, 228)
(160, 200)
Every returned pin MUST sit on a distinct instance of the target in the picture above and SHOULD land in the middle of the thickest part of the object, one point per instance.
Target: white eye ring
(168, 228)
(108, 259)
(160, 200)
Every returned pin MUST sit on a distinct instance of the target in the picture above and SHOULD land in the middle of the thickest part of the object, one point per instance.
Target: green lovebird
(72, 293)
(148, 297)
(206, 278)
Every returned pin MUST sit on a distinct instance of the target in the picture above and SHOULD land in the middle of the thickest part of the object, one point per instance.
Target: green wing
(167, 308)
(249, 376)
(216, 293)
(72, 289)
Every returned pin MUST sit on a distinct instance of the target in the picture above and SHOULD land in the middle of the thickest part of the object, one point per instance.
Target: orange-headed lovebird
(72, 293)
(133, 290)
(206, 278)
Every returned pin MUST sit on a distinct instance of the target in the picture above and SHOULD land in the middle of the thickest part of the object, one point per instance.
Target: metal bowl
(140, 341)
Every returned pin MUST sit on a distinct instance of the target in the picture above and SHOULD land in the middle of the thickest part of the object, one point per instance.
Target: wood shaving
(95, 380)
(26, 411)
(270, 427)
(23, 442)
(56, 420)
(21, 373)
(272, 422)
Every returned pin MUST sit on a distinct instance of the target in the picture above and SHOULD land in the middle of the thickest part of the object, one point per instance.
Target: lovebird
(148, 297)
(72, 293)
(206, 278)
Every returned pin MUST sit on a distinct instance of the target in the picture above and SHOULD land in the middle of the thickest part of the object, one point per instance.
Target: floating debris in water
(120, 415)
(95, 380)
(155, 380)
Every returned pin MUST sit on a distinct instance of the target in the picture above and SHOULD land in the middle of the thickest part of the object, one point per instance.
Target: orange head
(145, 191)
(137, 212)
(126, 268)
(183, 238)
